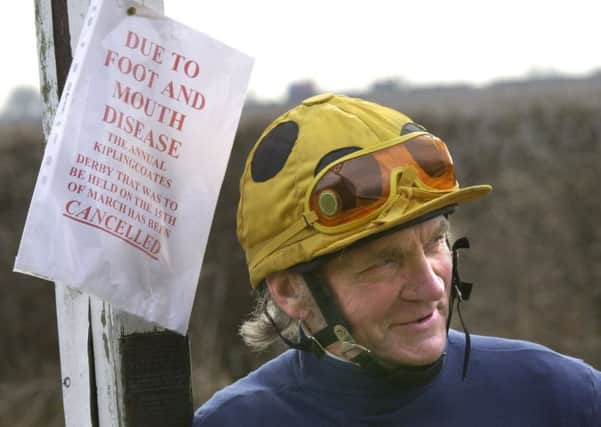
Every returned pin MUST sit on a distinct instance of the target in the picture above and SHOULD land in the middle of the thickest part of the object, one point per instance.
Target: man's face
(394, 292)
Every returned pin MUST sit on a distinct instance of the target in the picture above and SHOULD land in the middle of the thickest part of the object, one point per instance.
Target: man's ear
(290, 293)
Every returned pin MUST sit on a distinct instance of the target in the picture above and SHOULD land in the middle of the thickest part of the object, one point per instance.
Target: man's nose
(423, 284)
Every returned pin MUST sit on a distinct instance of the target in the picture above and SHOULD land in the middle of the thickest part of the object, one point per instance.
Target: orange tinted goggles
(356, 187)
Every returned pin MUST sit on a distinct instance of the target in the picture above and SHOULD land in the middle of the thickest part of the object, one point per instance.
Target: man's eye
(379, 265)
(437, 242)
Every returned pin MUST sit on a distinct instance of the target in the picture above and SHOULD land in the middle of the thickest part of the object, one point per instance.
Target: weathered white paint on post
(73, 330)
(91, 332)
(72, 306)
(76, 13)
(48, 81)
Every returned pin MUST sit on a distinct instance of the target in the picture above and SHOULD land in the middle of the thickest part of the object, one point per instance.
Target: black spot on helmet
(273, 151)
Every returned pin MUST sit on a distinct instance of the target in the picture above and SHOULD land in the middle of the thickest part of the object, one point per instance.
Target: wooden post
(117, 370)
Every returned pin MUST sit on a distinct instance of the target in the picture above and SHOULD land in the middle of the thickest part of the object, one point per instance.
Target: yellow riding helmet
(335, 170)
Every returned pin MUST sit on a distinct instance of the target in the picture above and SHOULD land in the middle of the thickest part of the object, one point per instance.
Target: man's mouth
(425, 318)
(417, 321)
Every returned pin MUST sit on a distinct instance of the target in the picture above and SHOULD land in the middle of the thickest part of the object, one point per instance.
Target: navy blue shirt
(509, 383)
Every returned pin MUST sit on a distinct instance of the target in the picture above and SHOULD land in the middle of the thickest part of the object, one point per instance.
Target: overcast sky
(344, 45)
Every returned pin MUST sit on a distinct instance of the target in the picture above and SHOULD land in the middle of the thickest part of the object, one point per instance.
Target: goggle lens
(358, 186)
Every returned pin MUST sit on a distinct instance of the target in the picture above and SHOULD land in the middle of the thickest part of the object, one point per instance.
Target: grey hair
(258, 332)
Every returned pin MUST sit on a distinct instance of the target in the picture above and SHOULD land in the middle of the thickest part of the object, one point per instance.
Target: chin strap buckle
(347, 343)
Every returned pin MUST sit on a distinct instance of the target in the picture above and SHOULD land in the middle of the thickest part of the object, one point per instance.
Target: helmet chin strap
(338, 330)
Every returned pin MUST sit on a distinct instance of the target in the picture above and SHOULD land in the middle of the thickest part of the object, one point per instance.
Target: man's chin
(420, 354)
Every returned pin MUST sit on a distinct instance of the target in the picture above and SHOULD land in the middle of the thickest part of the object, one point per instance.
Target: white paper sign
(129, 182)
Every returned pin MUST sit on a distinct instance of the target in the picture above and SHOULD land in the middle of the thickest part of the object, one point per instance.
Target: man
(343, 217)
